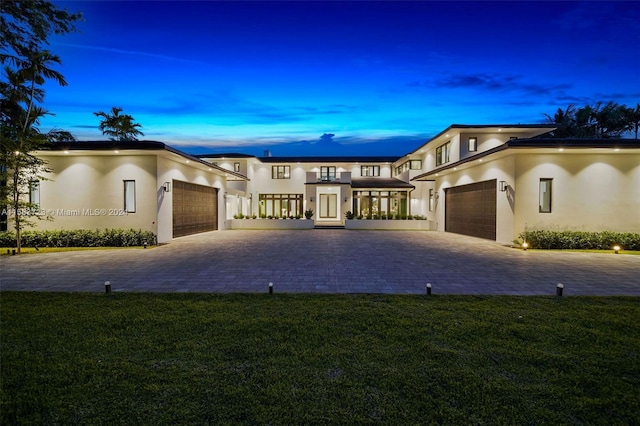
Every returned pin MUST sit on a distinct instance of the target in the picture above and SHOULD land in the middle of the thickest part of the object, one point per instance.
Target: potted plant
(308, 214)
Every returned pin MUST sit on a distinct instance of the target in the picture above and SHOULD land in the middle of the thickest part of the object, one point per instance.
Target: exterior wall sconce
(166, 187)
(502, 186)
(311, 199)
(345, 199)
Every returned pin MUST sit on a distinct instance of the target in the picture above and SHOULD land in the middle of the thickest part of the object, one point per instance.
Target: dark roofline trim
(483, 126)
(226, 155)
(543, 143)
(134, 145)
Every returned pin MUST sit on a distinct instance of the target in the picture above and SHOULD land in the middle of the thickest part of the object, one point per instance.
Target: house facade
(487, 181)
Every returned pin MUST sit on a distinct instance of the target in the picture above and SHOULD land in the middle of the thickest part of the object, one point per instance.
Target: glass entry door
(328, 206)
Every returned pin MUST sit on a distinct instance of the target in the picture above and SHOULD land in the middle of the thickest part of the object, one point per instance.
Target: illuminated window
(281, 172)
(370, 170)
(545, 195)
(130, 196)
(473, 144)
(34, 193)
(442, 153)
(236, 167)
(327, 173)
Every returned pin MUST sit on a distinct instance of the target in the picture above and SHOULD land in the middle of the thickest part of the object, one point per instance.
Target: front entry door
(328, 206)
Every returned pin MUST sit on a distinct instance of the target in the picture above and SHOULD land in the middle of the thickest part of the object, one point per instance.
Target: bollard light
(524, 246)
(145, 244)
(616, 249)
(107, 287)
(428, 289)
(270, 288)
(559, 289)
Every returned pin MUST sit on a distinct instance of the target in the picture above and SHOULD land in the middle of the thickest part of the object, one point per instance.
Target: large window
(280, 205)
(545, 195)
(375, 204)
(369, 171)
(34, 193)
(280, 172)
(327, 173)
(442, 153)
(409, 165)
(130, 196)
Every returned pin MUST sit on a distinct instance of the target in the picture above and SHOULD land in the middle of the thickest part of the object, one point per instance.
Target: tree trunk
(16, 205)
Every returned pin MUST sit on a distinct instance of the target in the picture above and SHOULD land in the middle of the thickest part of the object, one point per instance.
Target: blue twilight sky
(381, 77)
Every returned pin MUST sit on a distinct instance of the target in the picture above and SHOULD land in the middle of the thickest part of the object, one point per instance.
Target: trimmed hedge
(581, 240)
(80, 238)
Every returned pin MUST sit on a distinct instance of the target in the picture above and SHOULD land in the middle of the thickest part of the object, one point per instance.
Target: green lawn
(318, 359)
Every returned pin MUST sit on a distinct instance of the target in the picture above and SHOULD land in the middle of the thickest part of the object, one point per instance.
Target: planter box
(416, 225)
(269, 224)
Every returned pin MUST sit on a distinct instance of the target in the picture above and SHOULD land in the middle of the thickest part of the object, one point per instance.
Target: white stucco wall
(87, 192)
(591, 192)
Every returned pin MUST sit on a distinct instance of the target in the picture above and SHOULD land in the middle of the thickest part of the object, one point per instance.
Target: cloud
(125, 52)
(491, 82)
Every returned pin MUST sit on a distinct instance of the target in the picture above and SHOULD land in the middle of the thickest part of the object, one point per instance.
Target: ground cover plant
(580, 240)
(318, 359)
(80, 238)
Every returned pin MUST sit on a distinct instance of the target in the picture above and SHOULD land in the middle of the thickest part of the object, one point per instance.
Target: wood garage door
(471, 209)
(195, 208)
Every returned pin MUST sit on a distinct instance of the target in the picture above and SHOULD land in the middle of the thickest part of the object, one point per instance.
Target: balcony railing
(341, 177)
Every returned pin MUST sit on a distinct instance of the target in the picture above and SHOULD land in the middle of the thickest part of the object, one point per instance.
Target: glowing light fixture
(166, 187)
(66, 152)
(525, 246)
(560, 149)
(616, 249)
(502, 186)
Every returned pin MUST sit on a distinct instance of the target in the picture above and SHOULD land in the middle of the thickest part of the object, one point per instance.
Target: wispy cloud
(125, 52)
(492, 82)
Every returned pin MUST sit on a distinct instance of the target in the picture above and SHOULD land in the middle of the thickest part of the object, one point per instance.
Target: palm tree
(118, 127)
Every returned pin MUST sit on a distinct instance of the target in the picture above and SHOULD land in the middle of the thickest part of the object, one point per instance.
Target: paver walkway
(326, 261)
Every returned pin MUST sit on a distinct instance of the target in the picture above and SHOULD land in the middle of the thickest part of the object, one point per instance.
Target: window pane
(130, 196)
(545, 195)
(34, 193)
(473, 144)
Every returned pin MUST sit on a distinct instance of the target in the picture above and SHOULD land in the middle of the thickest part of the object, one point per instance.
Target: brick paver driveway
(326, 261)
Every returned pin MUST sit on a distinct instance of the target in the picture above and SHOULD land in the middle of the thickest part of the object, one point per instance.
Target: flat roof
(131, 146)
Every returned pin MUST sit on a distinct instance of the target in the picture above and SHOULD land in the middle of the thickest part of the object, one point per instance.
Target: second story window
(328, 173)
(236, 167)
(370, 170)
(442, 153)
(280, 172)
(473, 144)
(415, 164)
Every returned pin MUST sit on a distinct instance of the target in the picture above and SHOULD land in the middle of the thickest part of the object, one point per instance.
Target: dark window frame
(542, 207)
(281, 172)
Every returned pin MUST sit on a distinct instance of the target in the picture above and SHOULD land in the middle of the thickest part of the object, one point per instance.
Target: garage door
(195, 208)
(471, 209)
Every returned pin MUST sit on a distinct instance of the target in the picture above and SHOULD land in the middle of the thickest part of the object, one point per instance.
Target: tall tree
(118, 127)
(633, 119)
(24, 30)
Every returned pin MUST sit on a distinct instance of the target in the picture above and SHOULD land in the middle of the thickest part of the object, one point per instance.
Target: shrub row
(581, 240)
(80, 238)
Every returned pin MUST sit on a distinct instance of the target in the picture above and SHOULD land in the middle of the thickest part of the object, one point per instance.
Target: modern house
(488, 181)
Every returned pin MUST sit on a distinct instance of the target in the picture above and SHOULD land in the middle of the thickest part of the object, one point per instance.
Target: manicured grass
(318, 359)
